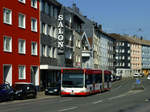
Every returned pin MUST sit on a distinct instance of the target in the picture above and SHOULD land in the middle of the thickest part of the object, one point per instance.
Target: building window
(21, 45)
(44, 28)
(55, 32)
(7, 44)
(42, 5)
(34, 24)
(22, 1)
(128, 64)
(34, 3)
(128, 45)
(79, 43)
(46, 8)
(51, 52)
(123, 51)
(22, 72)
(79, 59)
(55, 52)
(7, 16)
(34, 48)
(128, 58)
(76, 58)
(51, 11)
(76, 43)
(128, 51)
(44, 50)
(55, 13)
(21, 18)
(116, 50)
(49, 30)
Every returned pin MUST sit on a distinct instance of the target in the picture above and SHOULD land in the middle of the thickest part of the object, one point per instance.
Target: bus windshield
(72, 80)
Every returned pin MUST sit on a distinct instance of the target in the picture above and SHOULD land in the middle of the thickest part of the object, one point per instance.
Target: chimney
(75, 8)
(100, 27)
(141, 38)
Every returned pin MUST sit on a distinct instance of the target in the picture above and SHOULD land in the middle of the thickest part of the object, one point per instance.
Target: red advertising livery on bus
(76, 81)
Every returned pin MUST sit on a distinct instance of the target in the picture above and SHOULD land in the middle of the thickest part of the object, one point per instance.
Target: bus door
(110, 85)
(98, 82)
(89, 83)
(106, 80)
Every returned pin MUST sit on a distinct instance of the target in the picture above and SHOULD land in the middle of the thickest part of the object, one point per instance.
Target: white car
(136, 75)
(148, 77)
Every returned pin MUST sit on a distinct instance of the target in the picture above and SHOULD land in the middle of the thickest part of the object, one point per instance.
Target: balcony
(69, 44)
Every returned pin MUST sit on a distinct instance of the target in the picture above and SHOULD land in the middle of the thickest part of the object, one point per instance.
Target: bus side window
(106, 78)
(110, 77)
(97, 78)
(88, 79)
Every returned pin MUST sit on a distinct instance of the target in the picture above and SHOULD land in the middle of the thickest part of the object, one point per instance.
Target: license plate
(50, 92)
(72, 93)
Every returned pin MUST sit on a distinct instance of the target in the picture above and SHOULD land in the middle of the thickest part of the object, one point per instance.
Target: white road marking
(125, 94)
(99, 101)
(67, 109)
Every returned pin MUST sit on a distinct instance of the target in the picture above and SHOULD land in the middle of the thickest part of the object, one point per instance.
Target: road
(120, 99)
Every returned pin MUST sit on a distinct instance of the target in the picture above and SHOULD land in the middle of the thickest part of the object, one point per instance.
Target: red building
(19, 41)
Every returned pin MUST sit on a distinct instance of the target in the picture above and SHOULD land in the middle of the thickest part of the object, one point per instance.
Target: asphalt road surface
(120, 99)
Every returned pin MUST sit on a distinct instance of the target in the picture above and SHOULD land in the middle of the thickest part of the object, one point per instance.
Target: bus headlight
(55, 90)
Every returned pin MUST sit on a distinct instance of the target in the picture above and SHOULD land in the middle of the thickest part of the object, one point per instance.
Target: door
(34, 75)
(7, 74)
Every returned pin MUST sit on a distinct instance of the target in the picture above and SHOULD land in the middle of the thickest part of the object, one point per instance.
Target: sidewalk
(41, 95)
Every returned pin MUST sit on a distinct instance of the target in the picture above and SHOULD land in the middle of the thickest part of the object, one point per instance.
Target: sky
(130, 17)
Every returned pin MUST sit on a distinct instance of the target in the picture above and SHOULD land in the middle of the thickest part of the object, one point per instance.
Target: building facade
(69, 40)
(19, 38)
(136, 58)
(77, 50)
(103, 49)
(106, 49)
(122, 55)
(50, 61)
(96, 53)
(86, 52)
(73, 27)
(145, 59)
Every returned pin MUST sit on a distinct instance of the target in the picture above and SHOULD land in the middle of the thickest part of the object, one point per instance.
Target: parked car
(24, 90)
(54, 89)
(118, 78)
(148, 77)
(141, 74)
(6, 92)
(113, 78)
(136, 75)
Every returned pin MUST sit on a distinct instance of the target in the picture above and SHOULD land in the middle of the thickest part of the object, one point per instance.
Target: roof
(55, 2)
(90, 41)
(75, 13)
(84, 35)
(130, 39)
